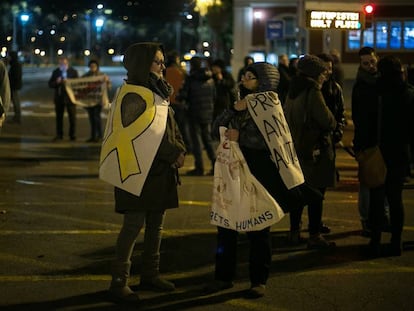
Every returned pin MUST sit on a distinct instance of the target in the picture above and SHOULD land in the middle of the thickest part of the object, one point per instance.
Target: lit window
(395, 35)
(409, 34)
(381, 35)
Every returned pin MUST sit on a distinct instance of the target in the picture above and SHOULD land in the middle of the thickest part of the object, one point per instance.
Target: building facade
(265, 29)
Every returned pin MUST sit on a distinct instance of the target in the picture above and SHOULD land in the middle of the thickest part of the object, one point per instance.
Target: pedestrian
(94, 112)
(61, 98)
(175, 75)
(334, 99)
(144, 63)
(311, 124)
(199, 92)
(364, 111)
(15, 78)
(225, 87)
(338, 72)
(394, 112)
(293, 67)
(248, 60)
(5, 97)
(283, 67)
(258, 78)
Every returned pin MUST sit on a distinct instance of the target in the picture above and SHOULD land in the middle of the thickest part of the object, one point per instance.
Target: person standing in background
(4, 93)
(61, 98)
(15, 78)
(248, 60)
(285, 77)
(225, 87)
(94, 112)
(175, 75)
(199, 93)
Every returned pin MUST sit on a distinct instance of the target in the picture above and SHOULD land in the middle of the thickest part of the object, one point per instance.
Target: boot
(119, 288)
(150, 275)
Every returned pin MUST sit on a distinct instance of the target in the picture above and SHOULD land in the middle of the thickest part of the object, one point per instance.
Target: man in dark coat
(199, 93)
(61, 99)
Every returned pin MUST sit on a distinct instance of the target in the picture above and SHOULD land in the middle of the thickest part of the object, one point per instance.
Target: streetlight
(24, 18)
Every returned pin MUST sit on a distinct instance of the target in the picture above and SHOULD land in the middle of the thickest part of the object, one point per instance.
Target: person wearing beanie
(311, 124)
(141, 126)
(259, 81)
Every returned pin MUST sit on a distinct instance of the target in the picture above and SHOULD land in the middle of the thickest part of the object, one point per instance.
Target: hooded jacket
(311, 124)
(162, 176)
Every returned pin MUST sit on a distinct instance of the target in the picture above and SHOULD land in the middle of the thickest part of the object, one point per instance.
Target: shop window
(408, 35)
(384, 35)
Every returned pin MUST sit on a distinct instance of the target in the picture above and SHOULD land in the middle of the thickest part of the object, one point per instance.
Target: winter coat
(5, 99)
(60, 92)
(365, 110)
(225, 93)
(311, 124)
(160, 188)
(284, 83)
(396, 123)
(199, 93)
(15, 75)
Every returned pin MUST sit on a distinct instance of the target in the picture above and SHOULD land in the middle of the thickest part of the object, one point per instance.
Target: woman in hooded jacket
(145, 64)
(311, 124)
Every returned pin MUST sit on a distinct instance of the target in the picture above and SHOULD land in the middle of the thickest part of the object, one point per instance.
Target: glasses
(159, 62)
(249, 77)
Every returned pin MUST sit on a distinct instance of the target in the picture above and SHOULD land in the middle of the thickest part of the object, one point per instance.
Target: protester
(175, 76)
(311, 124)
(61, 98)
(4, 93)
(338, 72)
(15, 78)
(293, 67)
(258, 78)
(225, 87)
(395, 116)
(199, 93)
(94, 112)
(145, 204)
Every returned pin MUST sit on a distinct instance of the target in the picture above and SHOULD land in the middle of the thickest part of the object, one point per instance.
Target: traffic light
(369, 13)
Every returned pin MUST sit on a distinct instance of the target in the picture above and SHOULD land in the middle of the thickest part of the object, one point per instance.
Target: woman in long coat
(311, 124)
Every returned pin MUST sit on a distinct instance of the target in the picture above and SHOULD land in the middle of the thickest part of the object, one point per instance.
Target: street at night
(58, 230)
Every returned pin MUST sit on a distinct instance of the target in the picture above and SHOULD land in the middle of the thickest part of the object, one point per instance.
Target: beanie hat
(267, 75)
(311, 66)
(138, 59)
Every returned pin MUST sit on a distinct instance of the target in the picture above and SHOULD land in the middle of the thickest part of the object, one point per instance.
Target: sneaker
(195, 172)
(157, 284)
(319, 242)
(256, 291)
(217, 286)
(294, 238)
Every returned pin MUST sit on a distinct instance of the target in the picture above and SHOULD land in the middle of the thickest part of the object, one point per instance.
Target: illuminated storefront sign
(334, 20)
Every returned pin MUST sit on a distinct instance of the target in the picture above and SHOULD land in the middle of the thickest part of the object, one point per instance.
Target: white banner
(129, 146)
(266, 110)
(88, 91)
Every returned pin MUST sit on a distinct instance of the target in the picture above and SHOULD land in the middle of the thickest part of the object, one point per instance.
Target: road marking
(31, 262)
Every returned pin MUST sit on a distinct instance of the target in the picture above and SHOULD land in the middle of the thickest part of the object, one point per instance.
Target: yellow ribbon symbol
(121, 138)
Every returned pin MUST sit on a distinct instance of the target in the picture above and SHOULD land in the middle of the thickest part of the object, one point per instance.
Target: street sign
(275, 29)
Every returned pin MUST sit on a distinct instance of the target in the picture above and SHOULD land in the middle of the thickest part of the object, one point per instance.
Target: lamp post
(15, 10)
(24, 18)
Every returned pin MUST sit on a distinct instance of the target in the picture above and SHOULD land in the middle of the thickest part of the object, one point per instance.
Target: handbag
(239, 201)
(371, 167)
(372, 170)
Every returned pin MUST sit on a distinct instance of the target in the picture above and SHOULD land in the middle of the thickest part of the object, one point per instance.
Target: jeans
(94, 114)
(260, 255)
(201, 133)
(131, 227)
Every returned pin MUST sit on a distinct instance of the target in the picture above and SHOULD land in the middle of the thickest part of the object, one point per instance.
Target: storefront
(267, 29)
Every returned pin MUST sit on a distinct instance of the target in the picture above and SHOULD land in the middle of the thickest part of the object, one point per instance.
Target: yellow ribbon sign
(120, 139)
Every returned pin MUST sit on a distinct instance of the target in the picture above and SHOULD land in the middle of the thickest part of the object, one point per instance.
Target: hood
(138, 59)
(267, 75)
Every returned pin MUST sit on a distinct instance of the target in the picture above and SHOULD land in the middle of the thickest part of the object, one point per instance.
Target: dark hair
(366, 50)
(93, 61)
(326, 57)
(219, 63)
(195, 63)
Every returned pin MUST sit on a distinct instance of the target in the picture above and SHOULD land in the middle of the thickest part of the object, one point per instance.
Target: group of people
(63, 102)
